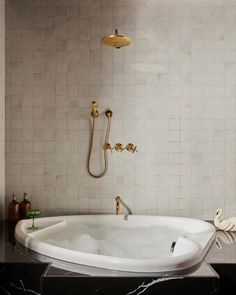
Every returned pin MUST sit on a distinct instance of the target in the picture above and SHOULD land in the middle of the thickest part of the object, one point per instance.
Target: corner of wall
(2, 109)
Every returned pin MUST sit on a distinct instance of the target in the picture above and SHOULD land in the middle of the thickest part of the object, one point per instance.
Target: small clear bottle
(25, 206)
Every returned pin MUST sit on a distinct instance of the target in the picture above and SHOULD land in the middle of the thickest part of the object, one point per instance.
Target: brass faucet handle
(118, 200)
(118, 147)
(131, 148)
(135, 149)
(107, 146)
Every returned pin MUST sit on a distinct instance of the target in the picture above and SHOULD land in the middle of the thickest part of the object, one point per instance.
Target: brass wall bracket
(94, 112)
(108, 113)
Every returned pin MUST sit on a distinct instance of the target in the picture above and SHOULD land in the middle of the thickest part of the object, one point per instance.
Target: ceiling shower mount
(116, 40)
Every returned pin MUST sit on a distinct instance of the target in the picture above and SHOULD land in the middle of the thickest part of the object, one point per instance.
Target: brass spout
(120, 201)
(94, 112)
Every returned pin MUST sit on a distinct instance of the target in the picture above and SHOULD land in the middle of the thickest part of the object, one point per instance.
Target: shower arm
(95, 115)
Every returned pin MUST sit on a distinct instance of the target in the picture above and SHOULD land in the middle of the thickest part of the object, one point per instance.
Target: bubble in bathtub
(59, 243)
(84, 243)
(109, 248)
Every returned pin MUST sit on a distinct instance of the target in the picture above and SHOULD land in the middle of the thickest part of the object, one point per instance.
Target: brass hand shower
(95, 114)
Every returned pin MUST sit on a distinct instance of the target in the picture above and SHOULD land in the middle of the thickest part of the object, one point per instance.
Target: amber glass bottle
(25, 206)
(14, 210)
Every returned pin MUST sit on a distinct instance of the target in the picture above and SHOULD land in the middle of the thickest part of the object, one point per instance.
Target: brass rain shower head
(116, 40)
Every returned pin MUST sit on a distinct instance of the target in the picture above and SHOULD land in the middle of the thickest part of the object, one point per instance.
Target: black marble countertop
(222, 250)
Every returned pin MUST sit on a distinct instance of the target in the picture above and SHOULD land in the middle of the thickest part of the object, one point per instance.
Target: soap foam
(126, 242)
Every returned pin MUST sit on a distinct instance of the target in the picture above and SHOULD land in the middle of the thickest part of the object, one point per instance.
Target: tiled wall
(2, 108)
(172, 92)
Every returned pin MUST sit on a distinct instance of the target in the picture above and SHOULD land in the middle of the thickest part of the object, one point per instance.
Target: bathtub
(138, 244)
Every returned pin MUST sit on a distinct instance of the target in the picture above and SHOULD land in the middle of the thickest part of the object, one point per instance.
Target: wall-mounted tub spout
(95, 115)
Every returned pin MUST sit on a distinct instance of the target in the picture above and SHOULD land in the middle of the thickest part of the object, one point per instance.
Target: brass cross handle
(131, 148)
(119, 147)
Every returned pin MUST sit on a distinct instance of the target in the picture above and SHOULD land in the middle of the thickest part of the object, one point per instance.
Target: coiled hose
(104, 150)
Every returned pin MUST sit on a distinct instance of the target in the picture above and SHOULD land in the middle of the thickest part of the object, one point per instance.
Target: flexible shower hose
(104, 150)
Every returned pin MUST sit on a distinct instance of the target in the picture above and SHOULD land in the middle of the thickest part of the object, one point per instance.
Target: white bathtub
(139, 244)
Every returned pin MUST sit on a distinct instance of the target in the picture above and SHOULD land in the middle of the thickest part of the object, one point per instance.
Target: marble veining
(144, 286)
(21, 278)
(22, 287)
(4, 290)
